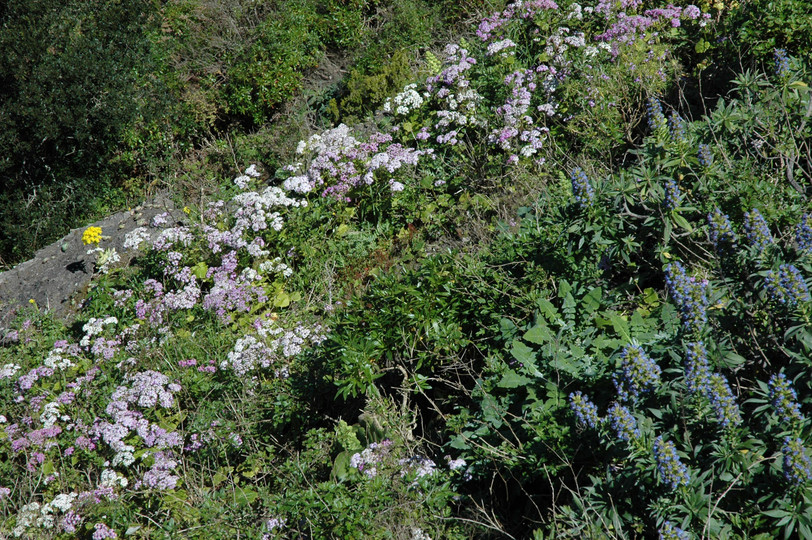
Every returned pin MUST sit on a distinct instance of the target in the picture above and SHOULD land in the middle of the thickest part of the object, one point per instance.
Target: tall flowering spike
(784, 399)
(585, 410)
(672, 194)
(705, 155)
(723, 402)
(803, 234)
(672, 471)
(583, 190)
(697, 370)
(669, 531)
(797, 467)
(639, 373)
(721, 231)
(676, 126)
(757, 230)
(690, 294)
(656, 118)
(623, 422)
(781, 62)
(786, 286)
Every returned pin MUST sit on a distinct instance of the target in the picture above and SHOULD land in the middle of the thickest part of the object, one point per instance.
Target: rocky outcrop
(59, 274)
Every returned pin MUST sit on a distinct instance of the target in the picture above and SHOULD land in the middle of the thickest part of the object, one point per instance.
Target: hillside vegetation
(547, 279)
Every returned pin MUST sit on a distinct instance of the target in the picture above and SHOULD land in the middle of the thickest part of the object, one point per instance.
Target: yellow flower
(187, 210)
(92, 235)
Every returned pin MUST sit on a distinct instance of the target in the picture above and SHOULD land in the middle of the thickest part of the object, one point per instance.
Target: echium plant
(757, 231)
(690, 294)
(581, 188)
(697, 370)
(721, 232)
(797, 466)
(803, 234)
(786, 286)
(672, 471)
(785, 400)
(623, 423)
(669, 531)
(656, 118)
(673, 196)
(638, 374)
(677, 128)
(584, 409)
(704, 155)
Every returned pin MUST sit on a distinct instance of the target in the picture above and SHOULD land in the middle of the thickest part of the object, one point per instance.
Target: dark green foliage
(73, 78)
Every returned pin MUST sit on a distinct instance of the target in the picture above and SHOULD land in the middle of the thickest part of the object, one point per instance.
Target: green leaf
(681, 222)
(282, 299)
(200, 270)
(460, 442)
(539, 334)
(592, 301)
(511, 379)
(620, 325)
(526, 356)
(548, 310)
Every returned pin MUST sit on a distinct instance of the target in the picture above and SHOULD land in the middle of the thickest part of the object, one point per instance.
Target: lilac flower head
(102, 531)
(639, 373)
(672, 471)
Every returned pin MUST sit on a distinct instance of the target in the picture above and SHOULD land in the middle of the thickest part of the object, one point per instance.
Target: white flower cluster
(276, 266)
(332, 142)
(253, 210)
(50, 415)
(244, 179)
(110, 478)
(405, 102)
(42, 516)
(248, 354)
(592, 51)
(94, 327)
(418, 466)
(8, 371)
(504, 48)
(136, 237)
(105, 259)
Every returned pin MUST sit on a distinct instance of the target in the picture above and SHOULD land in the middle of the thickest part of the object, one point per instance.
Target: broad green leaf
(539, 334)
(511, 379)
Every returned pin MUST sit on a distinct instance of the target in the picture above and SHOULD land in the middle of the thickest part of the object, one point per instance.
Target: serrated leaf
(511, 379)
(539, 334)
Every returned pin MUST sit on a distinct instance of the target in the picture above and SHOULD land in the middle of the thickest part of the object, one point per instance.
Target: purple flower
(102, 531)
(639, 373)
(797, 467)
(672, 471)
